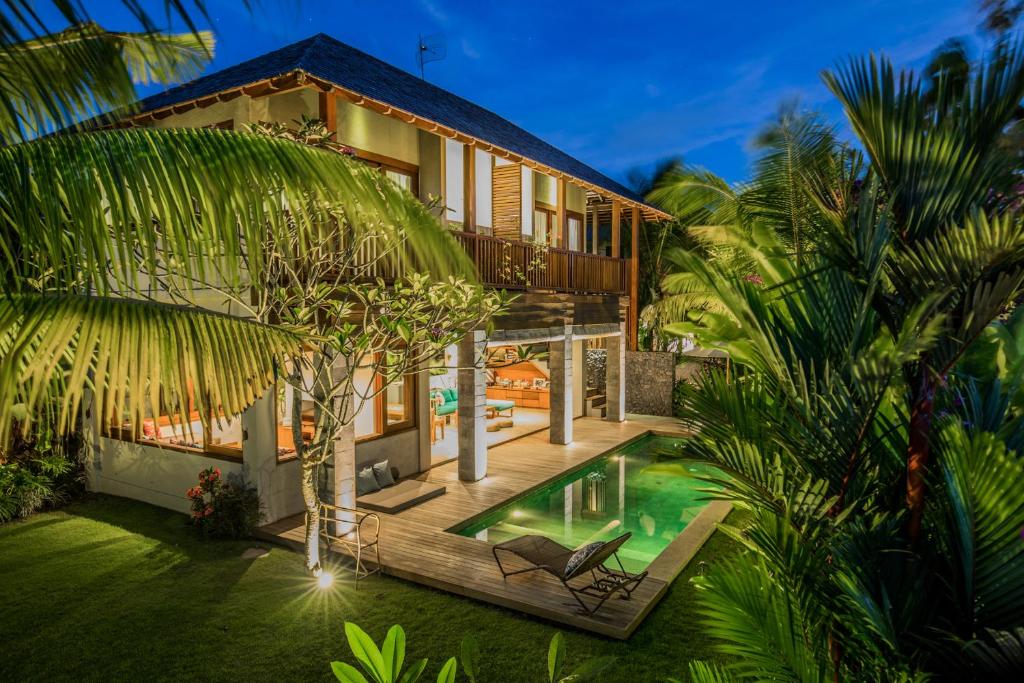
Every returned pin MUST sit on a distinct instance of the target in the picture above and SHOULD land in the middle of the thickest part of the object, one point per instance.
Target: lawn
(113, 589)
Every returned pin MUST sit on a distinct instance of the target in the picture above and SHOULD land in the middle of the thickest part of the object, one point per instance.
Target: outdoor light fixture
(325, 580)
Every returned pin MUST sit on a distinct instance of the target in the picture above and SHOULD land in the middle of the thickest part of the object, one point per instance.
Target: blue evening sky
(618, 84)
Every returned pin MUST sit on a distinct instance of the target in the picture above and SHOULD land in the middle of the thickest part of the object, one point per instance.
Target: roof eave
(300, 78)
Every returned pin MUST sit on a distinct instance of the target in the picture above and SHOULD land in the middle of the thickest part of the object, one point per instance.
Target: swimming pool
(644, 487)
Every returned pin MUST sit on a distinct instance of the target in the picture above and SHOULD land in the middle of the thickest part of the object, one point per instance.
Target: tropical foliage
(37, 470)
(112, 240)
(873, 427)
(384, 664)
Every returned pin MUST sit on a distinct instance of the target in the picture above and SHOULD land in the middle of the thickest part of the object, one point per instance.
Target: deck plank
(416, 545)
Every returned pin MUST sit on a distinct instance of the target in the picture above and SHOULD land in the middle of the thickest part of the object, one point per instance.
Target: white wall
(369, 131)
(575, 198)
(453, 181)
(545, 189)
(401, 450)
(152, 475)
(484, 190)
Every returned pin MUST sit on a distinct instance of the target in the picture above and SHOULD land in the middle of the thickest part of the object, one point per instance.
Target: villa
(502, 190)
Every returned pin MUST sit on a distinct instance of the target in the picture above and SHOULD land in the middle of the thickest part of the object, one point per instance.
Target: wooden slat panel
(507, 201)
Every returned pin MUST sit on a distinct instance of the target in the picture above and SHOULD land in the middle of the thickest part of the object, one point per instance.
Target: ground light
(325, 580)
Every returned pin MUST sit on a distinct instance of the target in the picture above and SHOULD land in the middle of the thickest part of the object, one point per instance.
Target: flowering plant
(221, 509)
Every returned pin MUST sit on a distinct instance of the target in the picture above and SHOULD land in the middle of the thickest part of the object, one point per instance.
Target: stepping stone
(255, 553)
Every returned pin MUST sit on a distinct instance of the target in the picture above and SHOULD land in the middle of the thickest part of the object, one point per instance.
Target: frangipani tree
(100, 226)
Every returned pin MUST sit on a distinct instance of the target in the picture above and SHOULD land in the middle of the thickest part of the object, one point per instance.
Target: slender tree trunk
(312, 501)
(310, 495)
(918, 448)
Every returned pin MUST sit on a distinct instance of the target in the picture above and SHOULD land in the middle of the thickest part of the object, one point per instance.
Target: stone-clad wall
(650, 378)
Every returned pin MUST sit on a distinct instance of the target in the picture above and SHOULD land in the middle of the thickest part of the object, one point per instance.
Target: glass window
(398, 403)
(573, 225)
(540, 225)
(403, 180)
(285, 421)
(168, 430)
(367, 422)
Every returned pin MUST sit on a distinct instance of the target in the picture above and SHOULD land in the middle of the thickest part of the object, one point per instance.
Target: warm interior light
(517, 513)
(325, 580)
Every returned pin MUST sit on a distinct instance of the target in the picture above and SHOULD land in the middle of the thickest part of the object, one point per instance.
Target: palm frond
(137, 358)
(56, 80)
(197, 202)
(984, 509)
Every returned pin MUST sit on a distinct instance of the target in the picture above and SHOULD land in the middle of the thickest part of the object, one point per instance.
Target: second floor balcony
(511, 264)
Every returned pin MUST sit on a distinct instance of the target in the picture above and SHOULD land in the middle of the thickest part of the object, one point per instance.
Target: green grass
(117, 590)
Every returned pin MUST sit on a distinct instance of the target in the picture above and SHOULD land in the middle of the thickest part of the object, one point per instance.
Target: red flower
(208, 511)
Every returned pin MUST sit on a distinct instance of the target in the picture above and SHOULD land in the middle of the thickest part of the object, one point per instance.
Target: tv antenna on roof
(432, 48)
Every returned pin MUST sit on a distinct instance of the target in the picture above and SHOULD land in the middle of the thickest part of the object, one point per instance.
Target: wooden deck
(416, 545)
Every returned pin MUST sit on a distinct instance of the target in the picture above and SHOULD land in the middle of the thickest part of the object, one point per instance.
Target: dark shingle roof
(334, 61)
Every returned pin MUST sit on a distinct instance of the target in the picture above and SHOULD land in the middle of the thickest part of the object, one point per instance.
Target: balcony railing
(520, 265)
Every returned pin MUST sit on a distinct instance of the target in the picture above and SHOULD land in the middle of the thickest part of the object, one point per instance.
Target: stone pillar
(472, 407)
(561, 366)
(259, 453)
(615, 384)
(341, 475)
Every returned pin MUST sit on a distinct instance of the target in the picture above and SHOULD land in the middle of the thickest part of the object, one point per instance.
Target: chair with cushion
(567, 565)
(445, 402)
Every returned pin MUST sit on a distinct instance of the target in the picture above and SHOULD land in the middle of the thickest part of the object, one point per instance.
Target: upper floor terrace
(530, 216)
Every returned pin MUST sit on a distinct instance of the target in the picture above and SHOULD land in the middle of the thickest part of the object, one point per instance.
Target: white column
(259, 453)
(560, 364)
(341, 480)
(615, 382)
(472, 407)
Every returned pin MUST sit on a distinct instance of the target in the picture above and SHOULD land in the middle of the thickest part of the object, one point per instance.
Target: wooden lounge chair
(558, 560)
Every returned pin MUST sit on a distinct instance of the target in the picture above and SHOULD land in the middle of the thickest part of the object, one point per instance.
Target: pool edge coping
(459, 526)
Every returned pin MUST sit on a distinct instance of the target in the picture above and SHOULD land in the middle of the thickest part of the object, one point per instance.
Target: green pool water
(644, 487)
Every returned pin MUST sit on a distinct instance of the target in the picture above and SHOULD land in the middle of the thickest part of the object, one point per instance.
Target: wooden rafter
(302, 79)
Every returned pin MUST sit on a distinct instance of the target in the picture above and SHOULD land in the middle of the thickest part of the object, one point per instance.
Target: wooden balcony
(506, 264)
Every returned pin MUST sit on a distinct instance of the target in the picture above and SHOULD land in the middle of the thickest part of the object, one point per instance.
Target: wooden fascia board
(300, 78)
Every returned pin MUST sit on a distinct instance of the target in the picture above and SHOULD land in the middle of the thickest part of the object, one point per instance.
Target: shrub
(223, 509)
(36, 470)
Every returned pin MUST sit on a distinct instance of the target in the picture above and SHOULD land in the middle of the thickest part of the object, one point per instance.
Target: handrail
(521, 265)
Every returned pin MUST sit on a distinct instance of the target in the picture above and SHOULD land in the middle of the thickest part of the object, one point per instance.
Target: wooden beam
(561, 238)
(469, 188)
(328, 110)
(444, 179)
(634, 281)
(616, 228)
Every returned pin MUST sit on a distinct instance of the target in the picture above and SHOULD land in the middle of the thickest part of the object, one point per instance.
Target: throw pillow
(366, 482)
(382, 471)
(581, 555)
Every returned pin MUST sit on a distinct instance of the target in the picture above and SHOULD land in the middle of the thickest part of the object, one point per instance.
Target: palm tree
(939, 166)
(853, 374)
(90, 216)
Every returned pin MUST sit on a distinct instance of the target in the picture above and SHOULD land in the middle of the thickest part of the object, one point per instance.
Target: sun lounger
(586, 563)
(401, 496)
